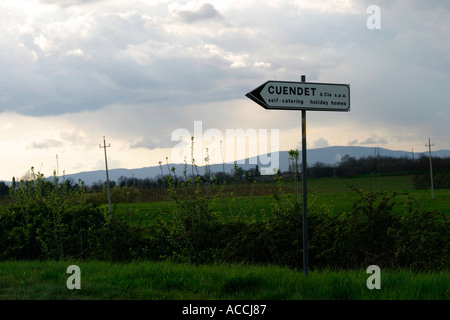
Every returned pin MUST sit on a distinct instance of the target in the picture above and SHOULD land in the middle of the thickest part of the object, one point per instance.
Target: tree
(4, 189)
(257, 172)
(293, 156)
(238, 173)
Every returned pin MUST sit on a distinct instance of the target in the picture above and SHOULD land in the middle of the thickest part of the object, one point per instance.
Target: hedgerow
(50, 220)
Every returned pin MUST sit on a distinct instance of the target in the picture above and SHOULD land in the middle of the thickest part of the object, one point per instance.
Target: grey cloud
(374, 140)
(321, 143)
(206, 12)
(72, 137)
(46, 144)
(68, 3)
(111, 58)
(78, 72)
(130, 55)
(151, 144)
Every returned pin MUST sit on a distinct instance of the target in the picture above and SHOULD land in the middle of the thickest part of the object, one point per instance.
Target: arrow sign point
(286, 95)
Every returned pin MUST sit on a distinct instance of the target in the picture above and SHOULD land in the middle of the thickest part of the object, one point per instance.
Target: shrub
(48, 221)
(192, 227)
(371, 233)
(423, 240)
(441, 180)
(363, 236)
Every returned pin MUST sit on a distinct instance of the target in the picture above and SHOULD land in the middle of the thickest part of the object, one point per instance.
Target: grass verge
(46, 280)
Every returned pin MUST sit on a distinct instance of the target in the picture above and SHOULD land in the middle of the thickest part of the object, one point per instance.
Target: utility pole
(223, 161)
(56, 172)
(378, 160)
(429, 145)
(107, 176)
(57, 166)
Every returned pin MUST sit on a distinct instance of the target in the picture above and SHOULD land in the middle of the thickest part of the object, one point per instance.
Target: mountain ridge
(327, 155)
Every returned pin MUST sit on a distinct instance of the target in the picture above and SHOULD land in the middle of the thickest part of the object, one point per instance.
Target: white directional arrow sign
(286, 95)
(303, 96)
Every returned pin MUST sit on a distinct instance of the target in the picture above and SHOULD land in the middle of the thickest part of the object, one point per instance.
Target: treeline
(351, 166)
(238, 175)
(347, 167)
(420, 168)
(132, 189)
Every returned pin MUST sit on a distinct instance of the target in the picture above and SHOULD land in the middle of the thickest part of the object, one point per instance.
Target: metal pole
(107, 175)
(431, 168)
(57, 166)
(304, 191)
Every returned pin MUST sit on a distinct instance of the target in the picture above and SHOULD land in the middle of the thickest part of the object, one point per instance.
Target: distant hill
(328, 155)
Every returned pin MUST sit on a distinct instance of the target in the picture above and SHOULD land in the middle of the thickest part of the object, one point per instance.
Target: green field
(332, 192)
(169, 281)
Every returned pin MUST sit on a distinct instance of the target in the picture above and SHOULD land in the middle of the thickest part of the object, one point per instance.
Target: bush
(52, 221)
(48, 221)
(118, 195)
(363, 236)
(371, 233)
(191, 231)
(422, 242)
(441, 180)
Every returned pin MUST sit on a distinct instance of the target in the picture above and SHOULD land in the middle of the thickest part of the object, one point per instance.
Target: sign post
(285, 95)
(304, 192)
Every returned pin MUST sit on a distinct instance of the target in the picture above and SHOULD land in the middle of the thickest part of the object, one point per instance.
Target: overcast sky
(74, 71)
